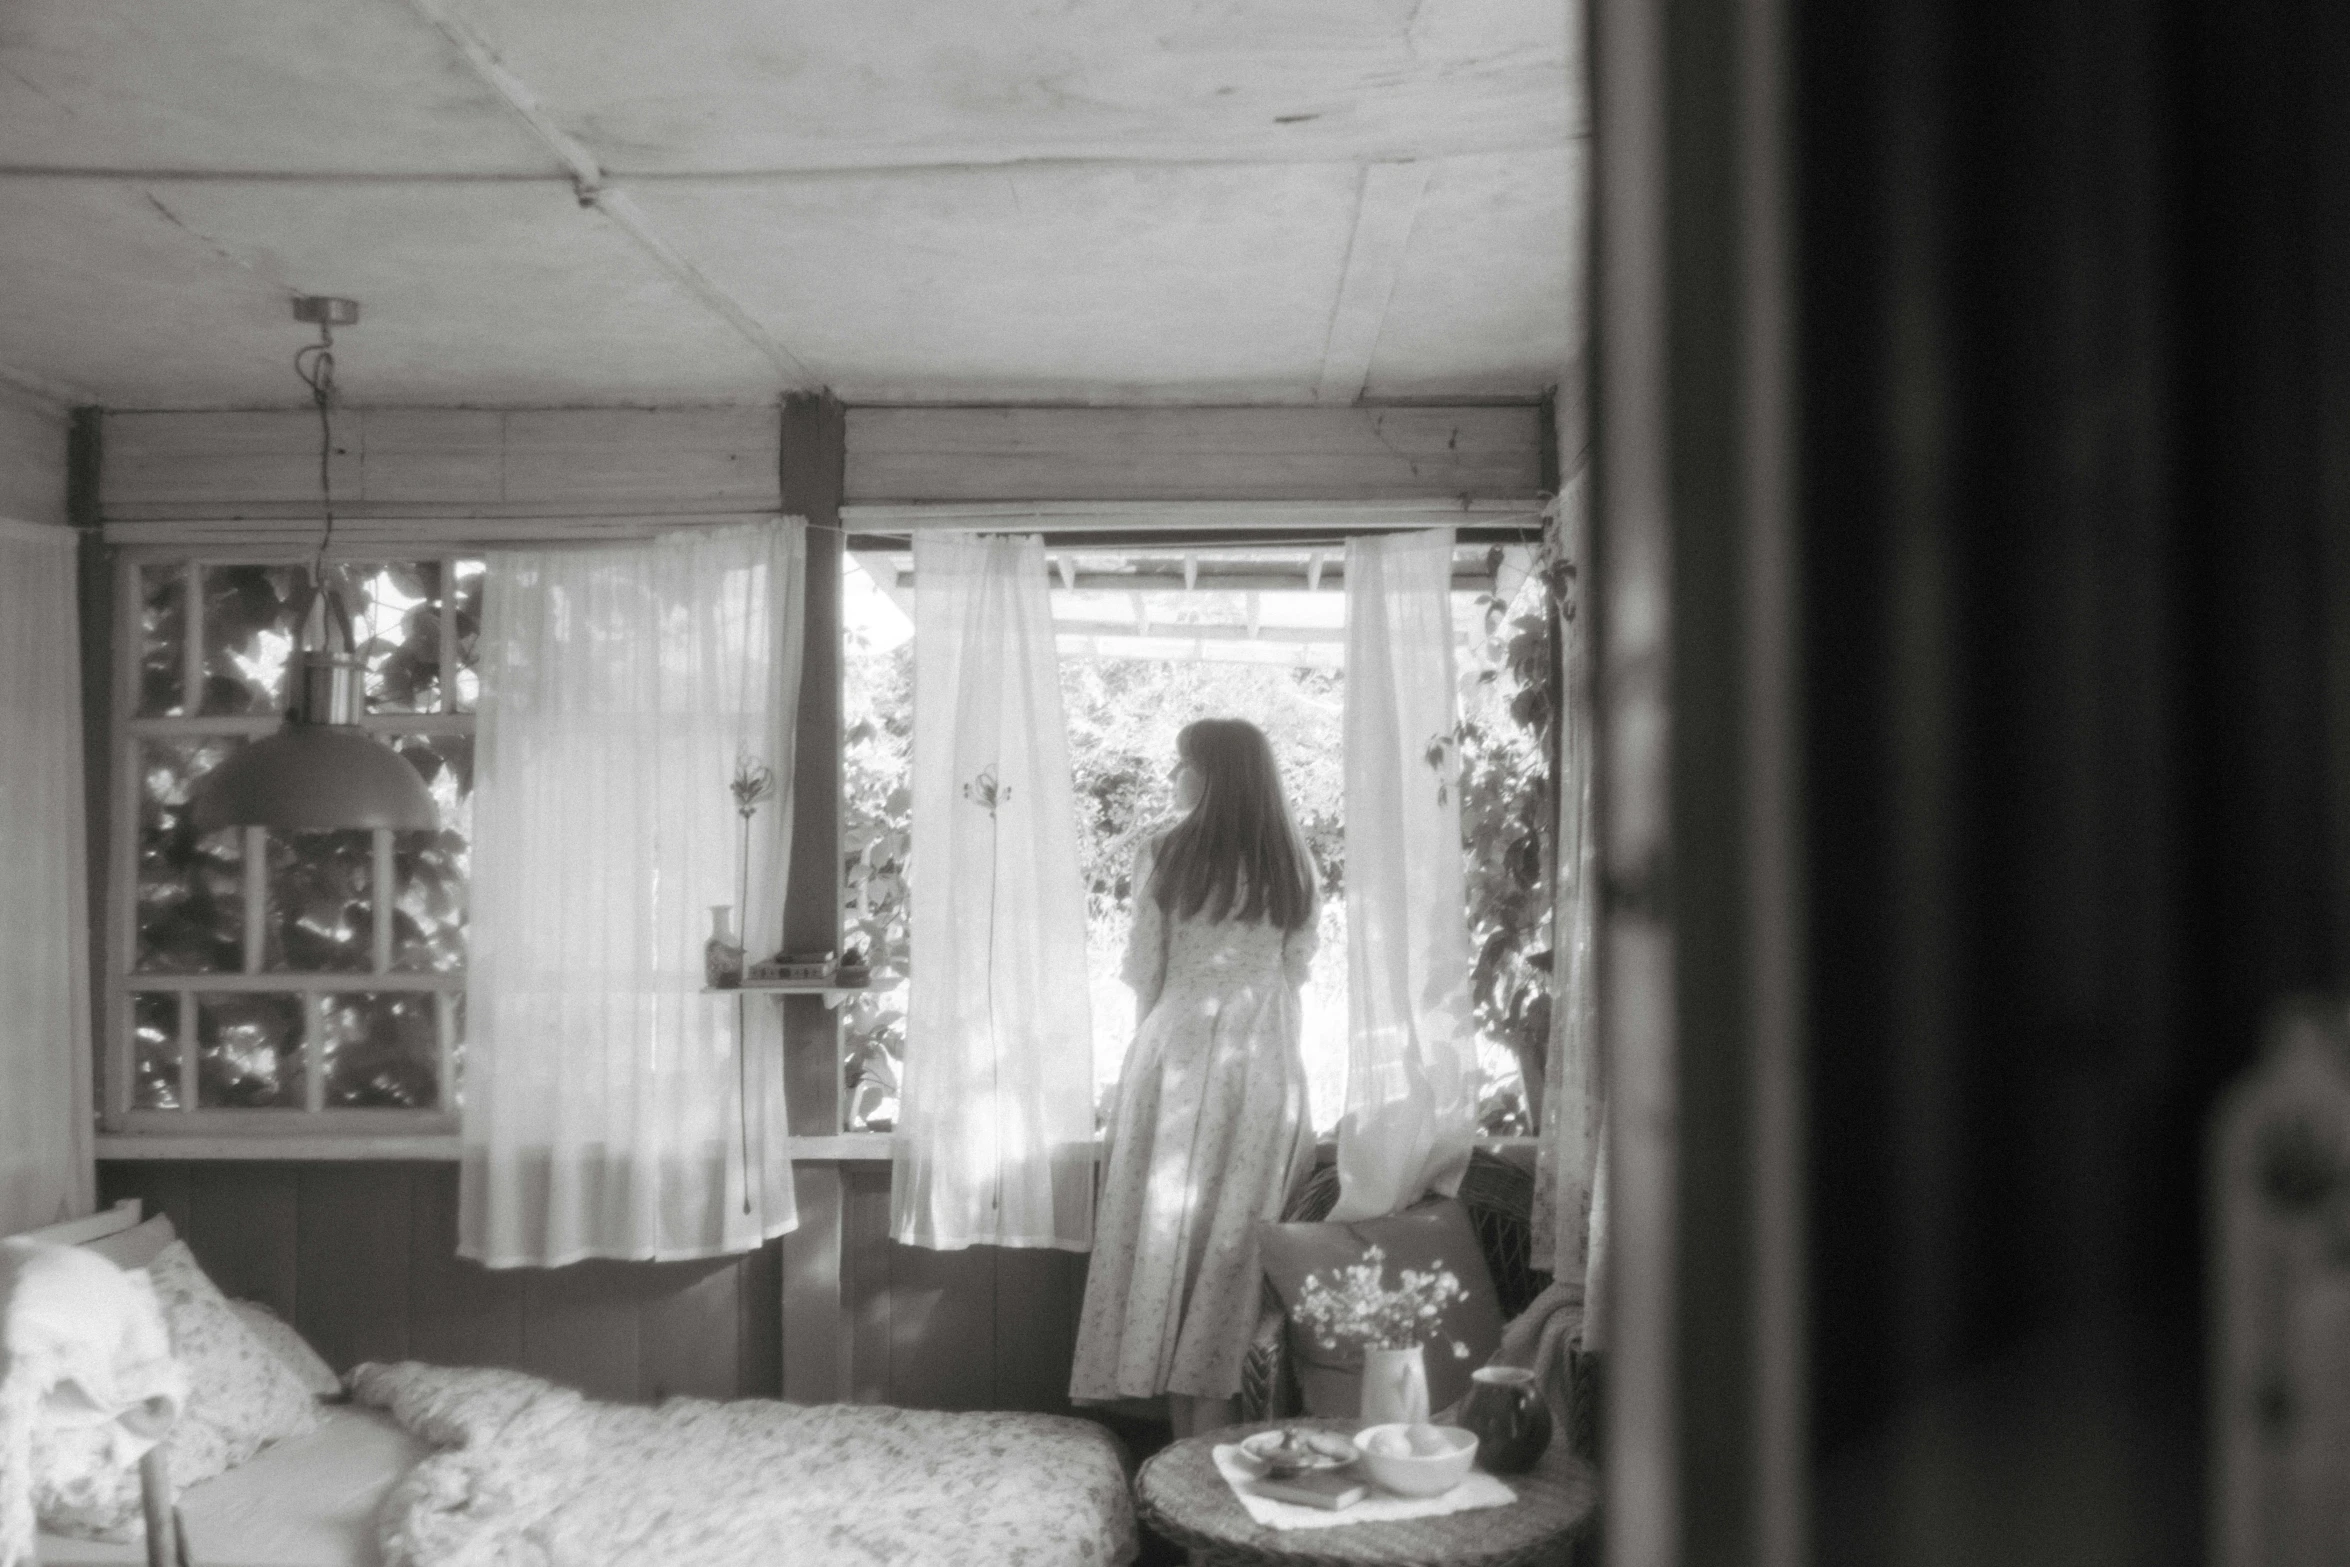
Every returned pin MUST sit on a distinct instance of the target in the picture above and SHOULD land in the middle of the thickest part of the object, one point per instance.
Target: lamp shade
(315, 778)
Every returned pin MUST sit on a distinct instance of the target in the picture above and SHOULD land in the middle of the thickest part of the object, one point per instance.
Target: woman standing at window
(1211, 1131)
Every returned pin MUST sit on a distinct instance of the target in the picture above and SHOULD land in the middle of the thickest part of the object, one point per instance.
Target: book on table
(1327, 1490)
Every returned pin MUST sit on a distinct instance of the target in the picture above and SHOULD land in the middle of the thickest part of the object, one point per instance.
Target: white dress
(1211, 1135)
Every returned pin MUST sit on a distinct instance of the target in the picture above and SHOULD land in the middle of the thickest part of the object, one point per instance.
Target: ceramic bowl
(1329, 1451)
(1418, 1475)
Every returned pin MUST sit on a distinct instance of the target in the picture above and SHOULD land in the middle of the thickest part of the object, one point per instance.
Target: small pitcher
(1512, 1423)
(1395, 1386)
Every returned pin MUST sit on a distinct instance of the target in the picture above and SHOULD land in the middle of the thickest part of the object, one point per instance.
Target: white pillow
(287, 1343)
(241, 1398)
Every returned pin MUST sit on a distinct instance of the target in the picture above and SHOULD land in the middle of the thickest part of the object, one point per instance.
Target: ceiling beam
(596, 193)
(1385, 210)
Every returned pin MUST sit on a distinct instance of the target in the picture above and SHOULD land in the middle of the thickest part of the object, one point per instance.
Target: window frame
(128, 731)
(880, 529)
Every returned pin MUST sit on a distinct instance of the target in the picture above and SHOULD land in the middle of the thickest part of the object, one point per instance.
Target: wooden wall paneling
(942, 1327)
(1038, 454)
(162, 1186)
(581, 1326)
(815, 1339)
(33, 464)
(353, 1254)
(621, 458)
(94, 571)
(395, 462)
(689, 1333)
(220, 460)
(866, 1289)
(1035, 1326)
(758, 1287)
(445, 456)
(242, 1226)
(459, 1313)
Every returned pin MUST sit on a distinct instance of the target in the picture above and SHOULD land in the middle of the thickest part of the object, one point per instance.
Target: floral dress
(1210, 1136)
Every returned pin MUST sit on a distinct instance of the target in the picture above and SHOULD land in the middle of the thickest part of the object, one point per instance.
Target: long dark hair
(1238, 854)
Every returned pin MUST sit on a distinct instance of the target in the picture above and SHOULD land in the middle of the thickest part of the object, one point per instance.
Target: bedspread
(533, 1475)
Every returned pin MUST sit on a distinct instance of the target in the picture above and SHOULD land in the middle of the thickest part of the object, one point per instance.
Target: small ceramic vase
(1512, 1423)
(722, 955)
(1395, 1386)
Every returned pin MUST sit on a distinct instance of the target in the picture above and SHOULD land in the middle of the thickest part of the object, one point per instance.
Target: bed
(431, 1466)
(307, 1502)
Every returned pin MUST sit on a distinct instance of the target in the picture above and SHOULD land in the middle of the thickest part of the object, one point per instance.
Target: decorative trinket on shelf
(722, 955)
(792, 968)
(853, 974)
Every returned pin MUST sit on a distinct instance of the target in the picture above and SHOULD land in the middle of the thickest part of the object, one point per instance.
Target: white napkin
(1478, 1489)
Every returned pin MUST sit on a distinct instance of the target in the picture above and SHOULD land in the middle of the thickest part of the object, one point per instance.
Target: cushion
(1421, 1237)
(136, 1246)
(241, 1398)
(289, 1346)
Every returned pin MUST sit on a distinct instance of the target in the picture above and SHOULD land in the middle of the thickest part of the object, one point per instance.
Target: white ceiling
(1102, 200)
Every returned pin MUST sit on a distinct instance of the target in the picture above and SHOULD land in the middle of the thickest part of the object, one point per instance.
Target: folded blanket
(534, 1475)
(83, 1351)
(1541, 1338)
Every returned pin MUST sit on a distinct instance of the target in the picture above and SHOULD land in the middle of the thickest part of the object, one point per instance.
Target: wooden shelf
(833, 995)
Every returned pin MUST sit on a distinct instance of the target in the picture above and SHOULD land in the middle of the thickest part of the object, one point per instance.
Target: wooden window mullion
(187, 1039)
(381, 890)
(256, 896)
(314, 1050)
(192, 642)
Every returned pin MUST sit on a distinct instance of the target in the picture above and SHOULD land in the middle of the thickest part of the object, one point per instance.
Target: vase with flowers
(1392, 1325)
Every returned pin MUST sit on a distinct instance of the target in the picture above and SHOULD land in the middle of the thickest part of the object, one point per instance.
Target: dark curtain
(2074, 367)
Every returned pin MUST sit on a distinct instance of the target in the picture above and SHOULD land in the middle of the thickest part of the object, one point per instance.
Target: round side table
(1180, 1496)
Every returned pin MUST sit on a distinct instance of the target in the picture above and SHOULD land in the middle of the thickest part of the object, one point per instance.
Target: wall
(361, 1254)
(362, 1257)
(32, 459)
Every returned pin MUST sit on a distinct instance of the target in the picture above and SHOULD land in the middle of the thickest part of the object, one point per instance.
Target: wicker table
(1181, 1496)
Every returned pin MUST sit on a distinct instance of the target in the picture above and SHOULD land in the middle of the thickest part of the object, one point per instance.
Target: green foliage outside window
(1123, 714)
(255, 1048)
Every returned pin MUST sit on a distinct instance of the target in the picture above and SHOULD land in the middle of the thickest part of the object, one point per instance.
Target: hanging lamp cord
(315, 364)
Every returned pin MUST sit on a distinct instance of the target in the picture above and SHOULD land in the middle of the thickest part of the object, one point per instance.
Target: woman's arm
(1145, 968)
(1299, 946)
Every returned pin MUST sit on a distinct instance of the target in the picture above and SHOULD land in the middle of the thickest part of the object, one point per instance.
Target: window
(260, 977)
(1151, 638)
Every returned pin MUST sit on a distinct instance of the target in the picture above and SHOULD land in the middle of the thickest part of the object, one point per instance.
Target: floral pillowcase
(241, 1397)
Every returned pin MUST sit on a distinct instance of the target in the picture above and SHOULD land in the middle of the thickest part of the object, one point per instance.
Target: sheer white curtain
(1572, 1099)
(45, 1169)
(611, 1108)
(1411, 1082)
(994, 1140)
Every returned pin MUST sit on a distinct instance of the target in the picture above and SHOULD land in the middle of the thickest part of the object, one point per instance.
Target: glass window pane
(382, 1051)
(248, 1051)
(321, 913)
(191, 888)
(249, 629)
(163, 639)
(155, 1050)
(429, 868)
(465, 617)
(397, 628)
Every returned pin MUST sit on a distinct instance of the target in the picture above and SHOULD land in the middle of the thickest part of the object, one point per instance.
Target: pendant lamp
(320, 771)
